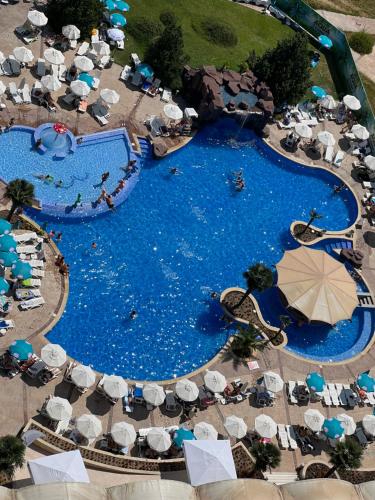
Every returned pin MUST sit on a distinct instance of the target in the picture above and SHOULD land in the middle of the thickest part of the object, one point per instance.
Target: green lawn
(254, 30)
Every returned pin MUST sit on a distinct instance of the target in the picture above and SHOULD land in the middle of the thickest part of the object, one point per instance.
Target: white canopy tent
(65, 467)
(209, 461)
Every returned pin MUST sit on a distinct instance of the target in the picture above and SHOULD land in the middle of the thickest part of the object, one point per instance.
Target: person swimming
(59, 183)
(48, 179)
(77, 201)
(174, 171)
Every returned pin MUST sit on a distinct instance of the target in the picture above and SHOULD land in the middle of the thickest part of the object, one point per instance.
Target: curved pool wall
(176, 239)
(80, 170)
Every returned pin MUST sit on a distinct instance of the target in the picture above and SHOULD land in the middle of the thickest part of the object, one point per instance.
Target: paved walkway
(349, 23)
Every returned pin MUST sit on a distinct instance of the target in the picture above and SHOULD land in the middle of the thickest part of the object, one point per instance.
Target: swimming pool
(176, 239)
(78, 172)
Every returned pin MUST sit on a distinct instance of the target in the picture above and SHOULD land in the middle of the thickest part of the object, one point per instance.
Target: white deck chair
(166, 95)
(328, 156)
(135, 59)
(120, 44)
(26, 249)
(13, 93)
(103, 61)
(41, 67)
(54, 70)
(326, 397)
(95, 38)
(23, 237)
(35, 263)
(125, 73)
(62, 72)
(96, 82)
(84, 47)
(37, 273)
(340, 155)
(6, 68)
(333, 394)
(291, 437)
(291, 387)
(26, 94)
(101, 119)
(73, 44)
(32, 303)
(342, 395)
(371, 398)
(283, 436)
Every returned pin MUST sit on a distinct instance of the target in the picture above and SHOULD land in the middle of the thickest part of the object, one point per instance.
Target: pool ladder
(365, 299)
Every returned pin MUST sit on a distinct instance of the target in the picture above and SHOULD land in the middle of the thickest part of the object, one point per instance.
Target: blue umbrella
(318, 92)
(7, 259)
(366, 382)
(315, 382)
(7, 243)
(145, 70)
(123, 6)
(85, 77)
(332, 428)
(182, 435)
(325, 41)
(110, 5)
(115, 34)
(21, 349)
(4, 286)
(118, 20)
(21, 270)
(5, 226)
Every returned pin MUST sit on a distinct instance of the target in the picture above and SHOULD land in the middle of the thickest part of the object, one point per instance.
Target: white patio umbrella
(59, 408)
(37, 18)
(303, 130)
(360, 132)
(2, 88)
(83, 63)
(83, 376)
(53, 355)
(115, 386)
(101, 48)
(326, 138)
(54, 56)
(368, 423)
(80, 88)
(215, 381)
(115, 34)
(159, 440)
(187, 390)
(328, 102)
(51, 82)
(370, 162)
(265, 426)
(109, 96)
(154, 394)
(273, 381)
(173, 112)
(352, 102)
(235, 426)
(314, 419)
(23, 55)
(123, 433)
(203, 430)
(348, 423)
(89, 426)
(71, 32)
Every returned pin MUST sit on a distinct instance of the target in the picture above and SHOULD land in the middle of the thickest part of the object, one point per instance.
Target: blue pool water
(80, 172)
(177, 238)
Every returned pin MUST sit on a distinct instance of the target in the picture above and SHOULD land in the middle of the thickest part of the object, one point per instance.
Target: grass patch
(365, 8)
(216, 32)
(370, 89)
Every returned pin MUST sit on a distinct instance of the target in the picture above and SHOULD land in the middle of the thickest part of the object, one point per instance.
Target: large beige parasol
(317, 285)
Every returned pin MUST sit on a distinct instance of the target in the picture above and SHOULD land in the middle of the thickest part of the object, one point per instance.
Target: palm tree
(347, 455)
(258, 277)
(247, 341)
(12, 454)
(21, 193)
(313, 216)
(285, 321)
(267, 456)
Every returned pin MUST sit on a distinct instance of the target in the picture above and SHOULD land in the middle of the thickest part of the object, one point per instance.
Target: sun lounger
(166, 95)
(95, 38)
(6, 68)
(26, 249)
(340, 155)
(26, 293)
(15, 65)
(328, 157)
(5, 324)
(101, 119)
(26, 94)
(72, 44)
(291, 437)
(96, 79)
(41, 67)
(311, 122)
(62, 73)
(120, 44)
(333, 394)
(125, 73)
(341, 394)
(24, 237)
(351, 396)
(31, 282)
(32, 303)
(37, 273)
(135, 59)
(84, 47)
(103, 61)
(291, 387)
(283, 436)
(361, 436)
(326, 397)
(13, 93)
(371, 398)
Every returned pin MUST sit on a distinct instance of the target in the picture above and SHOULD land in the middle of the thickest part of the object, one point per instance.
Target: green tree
(258, 277)
(21, 193)
(267, 456)
(85, 14)
(247, 341)
(346, 455)
(285, 321)
(313, 216)
(361, 42)
(12, 454)
(166, 54)
(286, 69)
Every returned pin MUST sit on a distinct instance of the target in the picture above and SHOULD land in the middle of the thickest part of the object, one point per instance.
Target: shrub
(361, 42)
(217, 32)
(168, 18)
(143, 29)
(85, 14)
